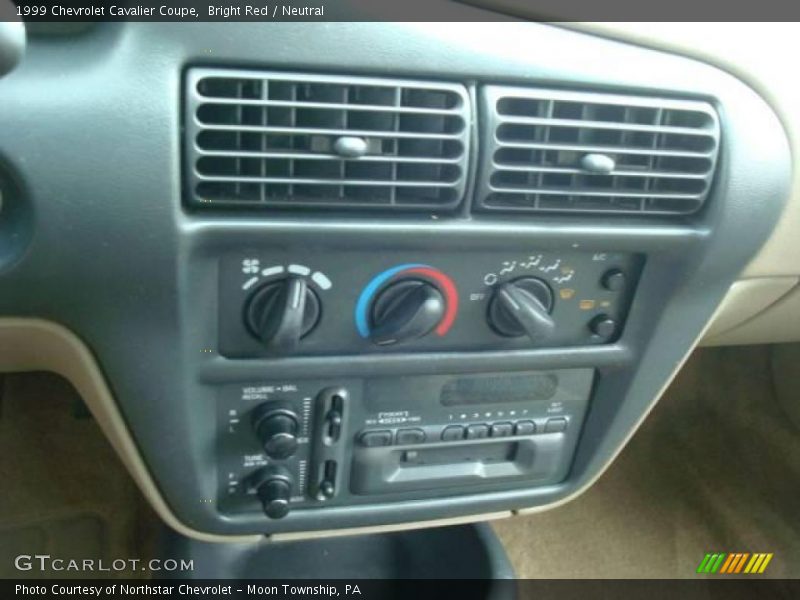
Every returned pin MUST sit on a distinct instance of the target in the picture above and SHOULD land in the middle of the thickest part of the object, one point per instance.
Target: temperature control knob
(406, 310)
(276, 428)
(282, 312)
(273, 486)
(522, 307)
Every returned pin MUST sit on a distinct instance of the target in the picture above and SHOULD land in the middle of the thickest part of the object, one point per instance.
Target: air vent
(557, 151)
(287, 140)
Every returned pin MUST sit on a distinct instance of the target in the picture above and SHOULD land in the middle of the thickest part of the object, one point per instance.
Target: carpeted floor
(716, 467)
(63, 491)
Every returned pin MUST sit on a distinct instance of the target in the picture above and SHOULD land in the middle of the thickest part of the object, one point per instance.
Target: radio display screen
(467, 391)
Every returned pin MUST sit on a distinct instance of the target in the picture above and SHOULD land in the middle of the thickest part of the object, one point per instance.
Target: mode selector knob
(522, 307)
(406, 310)
(273, 486)
(275, 426)
(282, 312)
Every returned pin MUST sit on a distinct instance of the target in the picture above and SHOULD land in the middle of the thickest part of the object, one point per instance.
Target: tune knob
(406, 310)
(273, 486)
(522, 307)
(276, 426)
(281, 313)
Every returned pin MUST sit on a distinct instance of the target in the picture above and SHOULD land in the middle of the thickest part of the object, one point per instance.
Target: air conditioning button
(613, 280)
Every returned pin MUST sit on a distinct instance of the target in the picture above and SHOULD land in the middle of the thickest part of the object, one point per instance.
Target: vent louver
(558, 151)
(267, 139)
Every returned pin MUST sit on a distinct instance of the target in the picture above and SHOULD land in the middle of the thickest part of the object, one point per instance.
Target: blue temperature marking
(364, 299)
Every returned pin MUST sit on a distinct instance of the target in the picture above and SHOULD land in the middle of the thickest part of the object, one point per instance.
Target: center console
(297, 442)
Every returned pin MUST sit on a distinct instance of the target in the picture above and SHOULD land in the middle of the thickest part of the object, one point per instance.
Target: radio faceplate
(394, 438)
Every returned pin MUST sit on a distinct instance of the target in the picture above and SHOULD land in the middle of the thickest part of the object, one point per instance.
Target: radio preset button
(477, 432)
(502, 429)
(525, 428)
(410, 436)
(376, 439)
(555, 425)
(453, 433)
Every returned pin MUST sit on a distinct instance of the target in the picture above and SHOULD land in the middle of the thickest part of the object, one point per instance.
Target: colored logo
(720, 563)
(443, 282)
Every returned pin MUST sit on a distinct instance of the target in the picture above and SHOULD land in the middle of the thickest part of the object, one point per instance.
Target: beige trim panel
(745, 300)
(780, 323)
(38, 345)
(284, 537)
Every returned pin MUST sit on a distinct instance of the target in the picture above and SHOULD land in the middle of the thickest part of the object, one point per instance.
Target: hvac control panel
(352, 303)
(290, 445)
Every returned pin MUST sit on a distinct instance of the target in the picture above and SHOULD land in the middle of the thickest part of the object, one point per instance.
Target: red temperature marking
(450, 296)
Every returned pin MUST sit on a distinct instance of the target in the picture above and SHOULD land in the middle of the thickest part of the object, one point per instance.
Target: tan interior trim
(747, 299)
(38, 345)
(284, 537)
(778, 324)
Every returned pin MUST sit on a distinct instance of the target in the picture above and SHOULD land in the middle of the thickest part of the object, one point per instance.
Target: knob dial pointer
(281, 313)
(522, 307)
(405, 311)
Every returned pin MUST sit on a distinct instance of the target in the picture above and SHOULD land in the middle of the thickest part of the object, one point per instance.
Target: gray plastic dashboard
(94, 234)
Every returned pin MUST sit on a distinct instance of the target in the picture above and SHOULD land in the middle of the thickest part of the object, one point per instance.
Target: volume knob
(276, 426)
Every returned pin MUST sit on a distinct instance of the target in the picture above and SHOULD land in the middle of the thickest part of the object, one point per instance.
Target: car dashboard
(402, 274)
